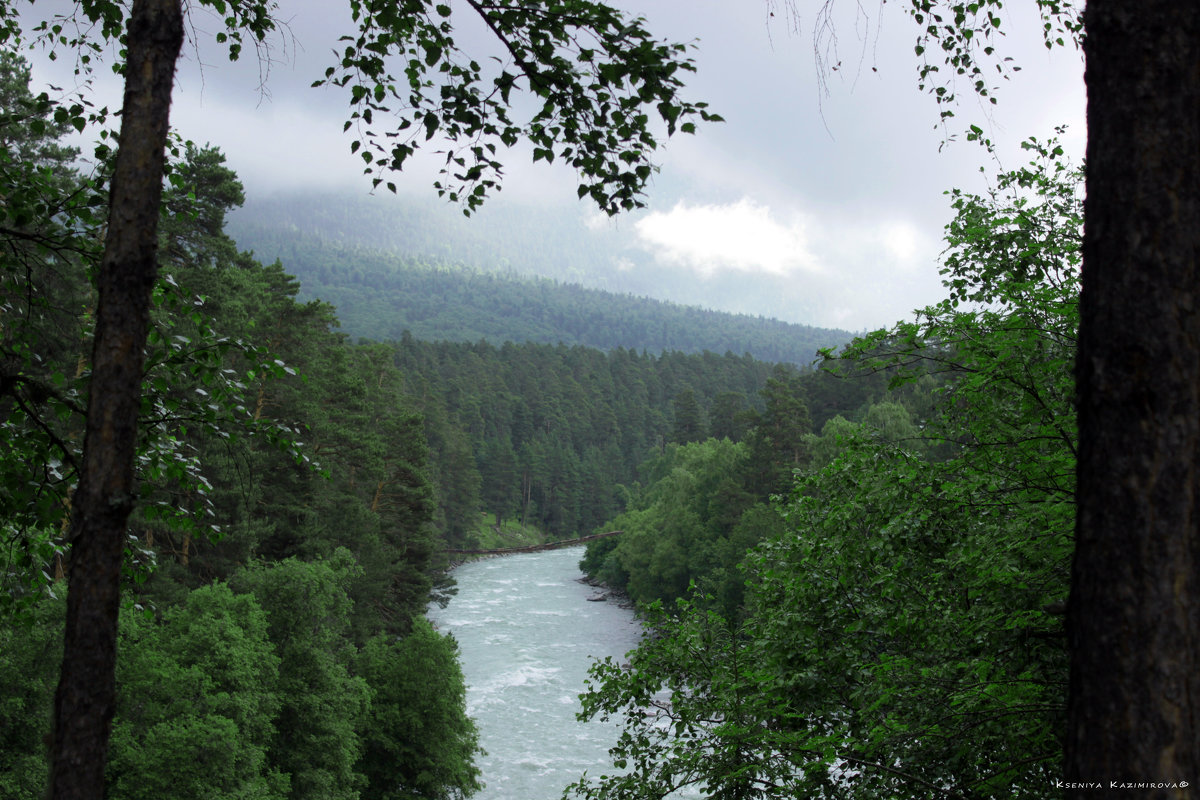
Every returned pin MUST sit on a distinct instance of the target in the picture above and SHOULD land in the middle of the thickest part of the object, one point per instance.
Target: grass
(510, 534)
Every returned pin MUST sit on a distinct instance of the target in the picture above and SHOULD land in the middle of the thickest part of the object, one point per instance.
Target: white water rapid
(527, 635)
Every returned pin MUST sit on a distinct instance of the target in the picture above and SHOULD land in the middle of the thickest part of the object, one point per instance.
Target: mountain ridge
(385, 283)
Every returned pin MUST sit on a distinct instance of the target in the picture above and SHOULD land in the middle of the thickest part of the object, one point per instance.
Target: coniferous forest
(949, 558)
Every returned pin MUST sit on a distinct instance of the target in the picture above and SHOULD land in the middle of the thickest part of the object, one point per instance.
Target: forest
(955, 559)
(289, 474)
(556, 253)
(275, 576)
(296, 491)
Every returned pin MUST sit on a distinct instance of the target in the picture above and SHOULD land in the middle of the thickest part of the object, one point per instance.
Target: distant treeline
(381, 295)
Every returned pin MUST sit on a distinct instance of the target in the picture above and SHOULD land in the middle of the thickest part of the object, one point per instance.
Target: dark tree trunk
(1134, 617)
(83, 705)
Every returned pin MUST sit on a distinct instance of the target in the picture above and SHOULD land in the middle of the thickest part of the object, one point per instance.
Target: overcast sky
(840, 191)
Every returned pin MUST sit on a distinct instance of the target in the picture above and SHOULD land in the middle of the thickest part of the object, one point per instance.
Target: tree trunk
(1134, 615)
(83, 705)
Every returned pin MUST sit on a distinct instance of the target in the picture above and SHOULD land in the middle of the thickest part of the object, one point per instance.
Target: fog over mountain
(820, 198)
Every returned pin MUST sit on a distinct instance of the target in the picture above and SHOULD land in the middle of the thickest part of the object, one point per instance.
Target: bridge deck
(533, 548)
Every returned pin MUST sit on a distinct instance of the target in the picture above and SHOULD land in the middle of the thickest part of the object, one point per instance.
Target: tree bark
(1134, 613)
(84, 702)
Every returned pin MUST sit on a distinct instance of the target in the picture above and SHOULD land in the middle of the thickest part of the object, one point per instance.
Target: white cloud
(820, 265)
(902, 241)
(742, 237)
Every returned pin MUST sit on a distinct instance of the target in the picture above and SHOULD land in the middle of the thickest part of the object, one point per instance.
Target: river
(527, 635)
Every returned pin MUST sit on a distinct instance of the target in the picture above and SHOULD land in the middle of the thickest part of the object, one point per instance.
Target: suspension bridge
(533, 548)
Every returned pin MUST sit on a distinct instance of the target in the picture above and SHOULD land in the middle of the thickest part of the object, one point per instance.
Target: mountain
(397, 266)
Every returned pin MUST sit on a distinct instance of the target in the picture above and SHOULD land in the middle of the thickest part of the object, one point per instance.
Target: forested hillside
(530, 240)
(389, 268)
(569, 244)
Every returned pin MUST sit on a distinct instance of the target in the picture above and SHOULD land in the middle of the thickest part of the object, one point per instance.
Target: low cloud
(828, 267)
(741, 237)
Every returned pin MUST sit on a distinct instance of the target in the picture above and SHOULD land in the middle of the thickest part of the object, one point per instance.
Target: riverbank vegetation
(896, 628)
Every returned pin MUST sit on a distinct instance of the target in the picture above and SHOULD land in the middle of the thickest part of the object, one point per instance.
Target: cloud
(742, 237)
(902, 241)
(823, 265)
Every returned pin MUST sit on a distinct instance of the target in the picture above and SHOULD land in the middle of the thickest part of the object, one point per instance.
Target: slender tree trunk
(83, 705)
(378, 497)
(1134, 615)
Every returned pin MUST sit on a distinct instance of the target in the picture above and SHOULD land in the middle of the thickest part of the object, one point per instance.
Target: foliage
(418, 741)
(370, 494)
(689, 424)
(48, 300)
(308, 616)
(203, 684)
(704, 503)
(597, 75)
(1007, 361)
(199, 694)
(903, 637)
(778, 440)
(593, 116)
(682, 527)
(30, 651)
(46, 222)
(957, 40)
(223, 698)
(966, 33)
(919, 644)
(552, 432)
(695, 712)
